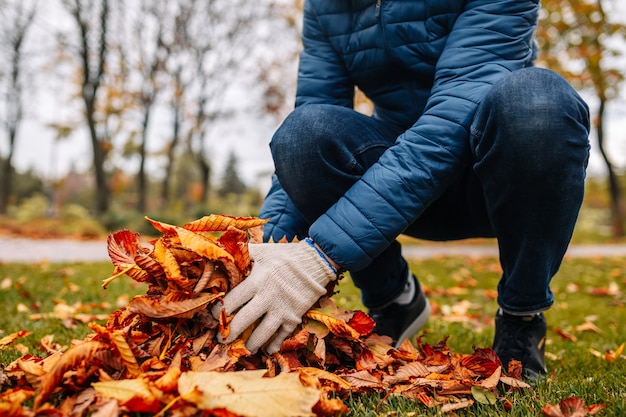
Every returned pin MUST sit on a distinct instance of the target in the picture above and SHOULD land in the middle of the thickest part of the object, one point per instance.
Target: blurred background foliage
(143, 72)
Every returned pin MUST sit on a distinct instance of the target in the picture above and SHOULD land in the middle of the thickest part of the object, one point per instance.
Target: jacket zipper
(378, 4)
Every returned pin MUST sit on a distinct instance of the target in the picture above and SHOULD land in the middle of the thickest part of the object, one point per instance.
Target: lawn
(587, 322)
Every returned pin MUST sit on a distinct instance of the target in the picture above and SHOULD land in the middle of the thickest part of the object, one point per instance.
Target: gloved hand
(285, 281)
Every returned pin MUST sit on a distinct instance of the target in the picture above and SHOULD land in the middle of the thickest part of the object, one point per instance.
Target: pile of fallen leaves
(161, 355)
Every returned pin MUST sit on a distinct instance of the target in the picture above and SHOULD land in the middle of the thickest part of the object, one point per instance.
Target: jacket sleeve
(322, 75)
(490, 38)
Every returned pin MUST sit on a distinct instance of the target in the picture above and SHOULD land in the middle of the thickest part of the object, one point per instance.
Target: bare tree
(214, 46)
(91, 19)
(17, 18)
(146, 56)
(576, 40)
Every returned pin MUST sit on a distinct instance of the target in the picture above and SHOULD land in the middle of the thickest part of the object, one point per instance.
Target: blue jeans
(529, 141)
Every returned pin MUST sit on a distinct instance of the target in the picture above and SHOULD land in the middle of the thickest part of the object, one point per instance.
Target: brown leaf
(338, 381)
(134, 394)
(118, 337)
(173, 305)
(221, 223)
(243, 392)
(569, 407)
(122, 247)
(336, 326)
(406, 372)
(70, 359)
(446, 408)
(362, 379)
(235, 241)
(202, 245)
(483, 362)
(9, 339)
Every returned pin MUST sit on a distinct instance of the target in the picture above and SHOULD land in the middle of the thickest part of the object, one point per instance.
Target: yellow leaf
(8, 339)
(167, 260)
(249, 393)
(336, 326)
(220, 223)
(134, 394)
(202, 245)
(611, 356)
(118, 337)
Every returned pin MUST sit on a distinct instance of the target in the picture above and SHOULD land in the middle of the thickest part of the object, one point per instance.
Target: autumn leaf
(134, 394)
(69, 360)
(9, 339)
(610, 356)
(569, 407)
(221, 223)
(243, 392)
(173, 305)
(362, 323)
(118, 337)
(483, 395)
(122, 247)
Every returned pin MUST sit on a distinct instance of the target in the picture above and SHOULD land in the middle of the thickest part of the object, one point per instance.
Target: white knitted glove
(285, 281)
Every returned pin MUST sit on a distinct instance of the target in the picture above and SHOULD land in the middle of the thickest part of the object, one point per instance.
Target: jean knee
(301, 136)
(537, 101)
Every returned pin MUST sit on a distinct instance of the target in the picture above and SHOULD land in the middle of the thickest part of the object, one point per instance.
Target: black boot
(522, 338)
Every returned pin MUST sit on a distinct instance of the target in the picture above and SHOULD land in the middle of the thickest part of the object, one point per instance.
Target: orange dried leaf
(406, 372)
(235, 241)
(610, 356)
(162, 227)
(362, 380)
(122, 246)
(9, 339)
(167, 260)
(202, 245)
(221, 223)
(173, 305)
(337, 380)
(483, 362)
(569, 407)
(69, 360)
(336, 326)
(16, 395)
(565, 335)
(134, 394)
(118, 337)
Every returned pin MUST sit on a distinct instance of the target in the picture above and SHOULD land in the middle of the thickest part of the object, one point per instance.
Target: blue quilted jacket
(426, 65)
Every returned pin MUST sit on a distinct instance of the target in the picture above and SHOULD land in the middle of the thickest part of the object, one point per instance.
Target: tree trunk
(7, 175)
(617, 217)
(99, 155)
(142, 188)
(165, 188)
(205, 177)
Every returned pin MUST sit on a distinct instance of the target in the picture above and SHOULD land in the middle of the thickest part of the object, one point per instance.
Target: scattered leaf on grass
(571, 407)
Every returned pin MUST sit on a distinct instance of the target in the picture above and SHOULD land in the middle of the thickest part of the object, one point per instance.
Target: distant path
(14, 249)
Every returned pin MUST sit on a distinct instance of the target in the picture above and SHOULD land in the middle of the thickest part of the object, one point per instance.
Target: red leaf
(362, 323)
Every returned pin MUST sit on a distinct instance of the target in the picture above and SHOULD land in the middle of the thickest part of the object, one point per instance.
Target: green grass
(467, 285)
(460, 289)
